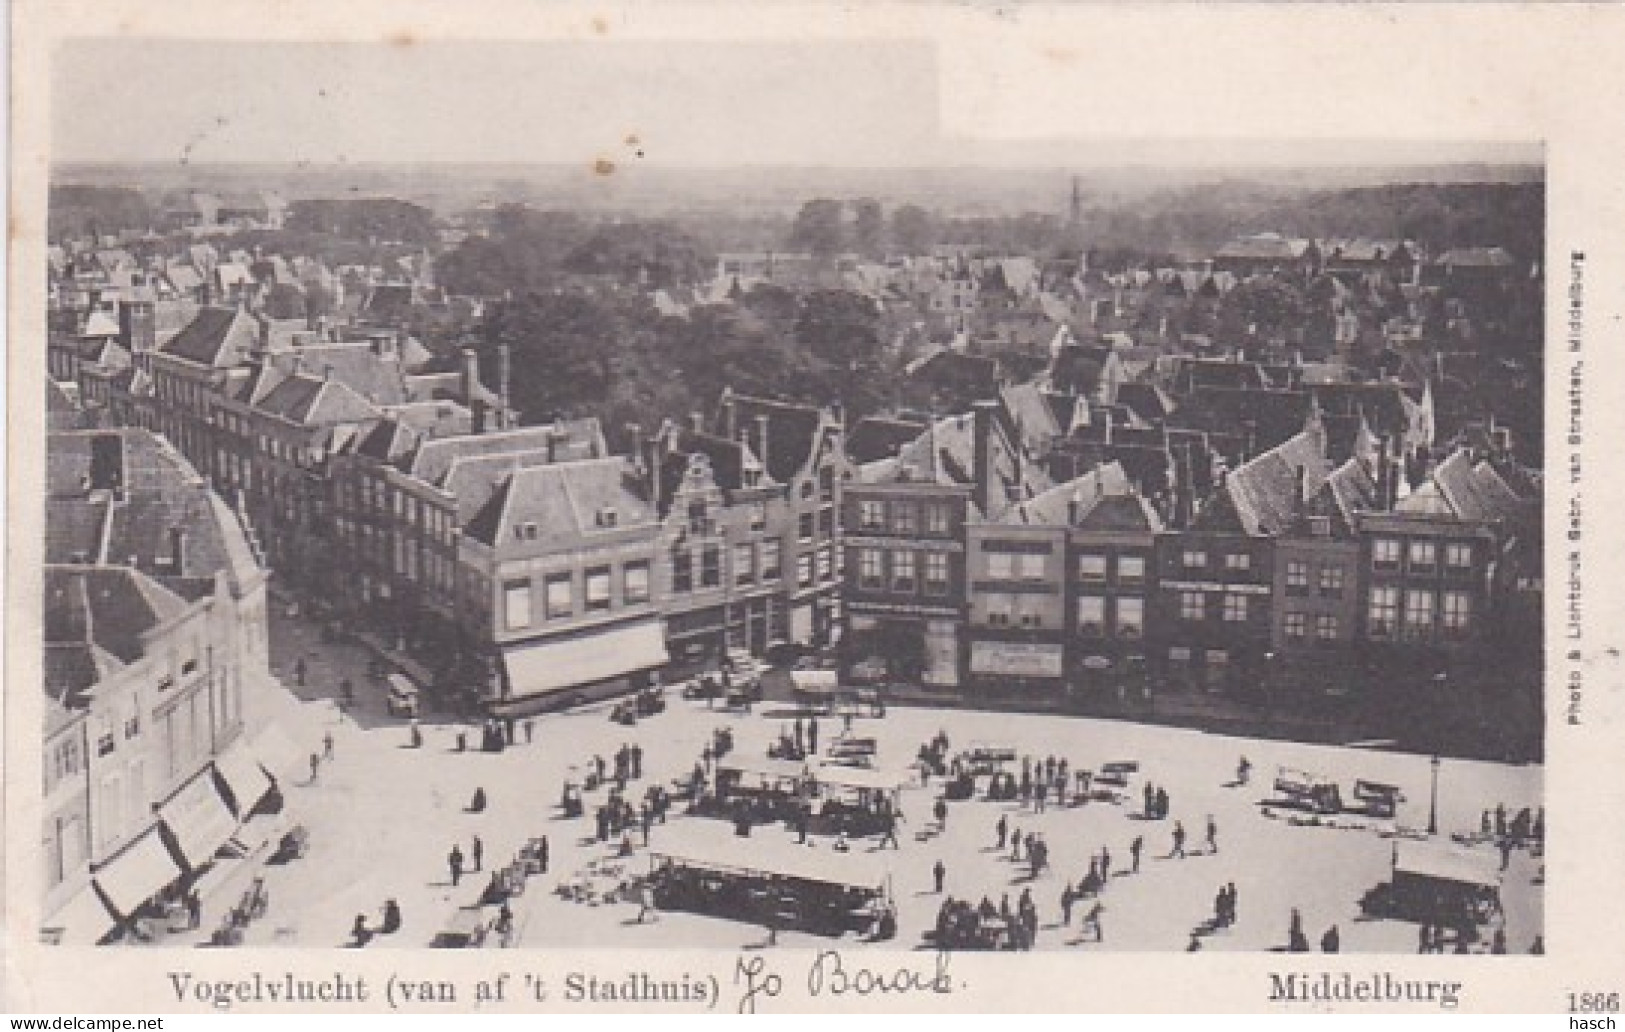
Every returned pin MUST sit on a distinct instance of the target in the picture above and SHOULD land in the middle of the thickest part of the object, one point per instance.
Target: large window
(804, 526)
(1130, 569)
(1331, 581)
(559, 603)
(902, 518)
(804, 571)
(1029, 567)
(1297, 626)
(1092, 568)
(682, 572)
(516, 604)
(902, 571)
(1325, 628)
(1385, 554)
(1192, 605)
(744, 563)
(637, 583)
(1384, 614)
(1297, 577)
(1001, 565)
(936, 518)
(1091, 616)
(1424, 556)
(936, 573)
(1235, 608)
(1130, 617)
(872, 515)
(1194, 559)
(1458, 555)
(1238, 561)
(1458, 613)
(871, 568)
(597, 589)
(770, 559)
(1418, 614)
(711, 567)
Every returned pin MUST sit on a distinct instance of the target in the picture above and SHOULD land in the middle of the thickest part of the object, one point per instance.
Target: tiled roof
(563, 502)
(313, 401)
(1470, 490)
(792, 432)
(1266, 495)
(356, 365)
(1147, 400)
(1032, 415)
(216, 337)
(1054, 507)
(572, 439)
(881, 437)
(106, 606)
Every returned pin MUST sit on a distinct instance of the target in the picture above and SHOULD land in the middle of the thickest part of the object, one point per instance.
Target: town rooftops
(565, 440)
(108, 607)
(1466, 489)
(1267, 495)
(881, 437)
(792, 431)
(1476, 258)
(1265, 247)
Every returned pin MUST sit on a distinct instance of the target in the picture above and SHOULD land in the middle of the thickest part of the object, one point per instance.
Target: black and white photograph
(722, 497)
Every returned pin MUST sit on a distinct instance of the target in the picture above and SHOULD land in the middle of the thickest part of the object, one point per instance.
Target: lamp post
(1433, 799)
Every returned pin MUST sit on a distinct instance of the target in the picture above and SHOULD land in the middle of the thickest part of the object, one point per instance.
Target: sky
(694, 103)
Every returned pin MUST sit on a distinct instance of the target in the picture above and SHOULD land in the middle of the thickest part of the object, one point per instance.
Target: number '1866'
(1593, 1003)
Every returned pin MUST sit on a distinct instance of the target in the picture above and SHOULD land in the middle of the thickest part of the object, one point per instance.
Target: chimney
(1074, 507)
(471, 374)
(982, 475)
(696, 421)
(505, 382)
(1110, 419)
(761, 436)
(177, 550)
(728, 414)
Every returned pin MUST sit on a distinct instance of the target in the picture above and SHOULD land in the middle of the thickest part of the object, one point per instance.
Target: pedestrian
(1162, 803)
(1486, 824)
(1220, 903)
(1091, 922)
(454, 860)
(646, 902)
(938, 873)
(530, 729)
(940, 812)
(477, 853)
(1424, 931)
(1500, 816)
(315, 766)
(1003, 828)
(1150, 801)
(1506, 852)
(1297, 942)
(477, 804)
(1230, 905)
(1331, 941)
(1134, 852)
(1068, 898)
(1040, 790)
(327, 745)
(1212, 835)
(1195, 945)
(194, 909)
(1244, 770)
(417, 734)
(392, 918)
(1105, 863)
(1179, 841)
(541, 854)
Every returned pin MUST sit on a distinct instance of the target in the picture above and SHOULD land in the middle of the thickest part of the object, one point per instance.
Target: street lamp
(1433, 800)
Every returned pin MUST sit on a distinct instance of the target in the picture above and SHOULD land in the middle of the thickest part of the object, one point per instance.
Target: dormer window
(608, 516)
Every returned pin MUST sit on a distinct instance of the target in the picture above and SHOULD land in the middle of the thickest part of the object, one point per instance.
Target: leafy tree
(913, 230)
(869, 227)
(819, 228)
(561, 349)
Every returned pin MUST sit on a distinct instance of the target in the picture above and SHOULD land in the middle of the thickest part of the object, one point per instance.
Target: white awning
(199, 819)
(550, 666)
(1447, 863)
(138, 873)
(81, 921)
(821, 682)
(707, 844)
(244, 776)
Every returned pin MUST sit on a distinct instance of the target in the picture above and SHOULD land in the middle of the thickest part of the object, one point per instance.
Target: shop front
(1017, 666)
(598, 662)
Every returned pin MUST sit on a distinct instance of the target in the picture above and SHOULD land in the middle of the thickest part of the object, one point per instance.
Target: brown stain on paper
(604, 167)
(402, 38)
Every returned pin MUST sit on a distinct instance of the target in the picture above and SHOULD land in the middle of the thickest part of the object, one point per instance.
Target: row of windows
(1297, 627)
(1096, 569)
(905, 517)
(1127, 616)
(1014, 566)
(902, 570)
(1328, 580)
(559, 596)
(1235, 607)
(1197, 559)
(1419, 615)
(1421, 556)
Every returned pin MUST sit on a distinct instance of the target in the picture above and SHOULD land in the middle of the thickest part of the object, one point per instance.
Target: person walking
(194, 909)
(392, 918)
(646, 902)
(1068, 898)
(1179, 841)
(1091, 922)
(1134, 852)
(541, 854)
(1105, 864)
(454, 860)
(327, 745)
(1230, 903)
(1003, 829)
(940, 812)
(315, 767)
(1331, 941)
(1212, 835)
(477, 853)
(938, 874)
